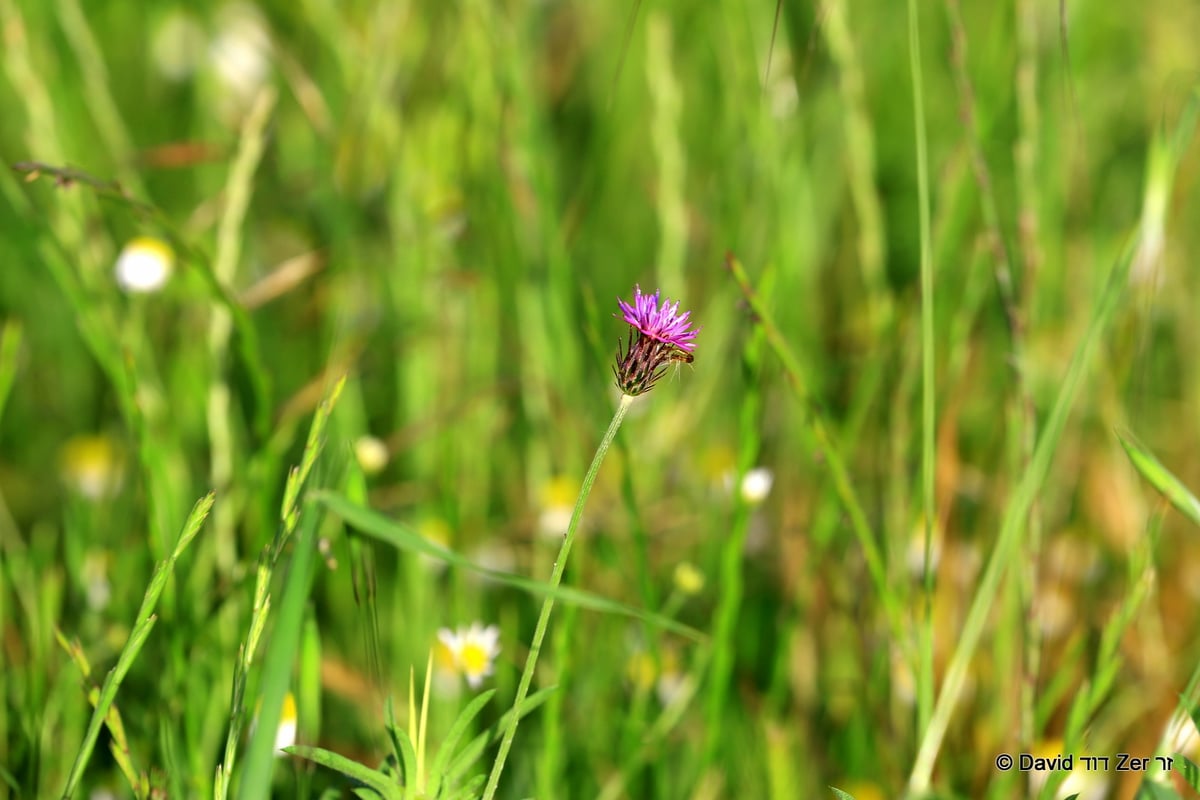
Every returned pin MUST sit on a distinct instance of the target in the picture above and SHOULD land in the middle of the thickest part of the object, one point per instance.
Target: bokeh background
(443, 201)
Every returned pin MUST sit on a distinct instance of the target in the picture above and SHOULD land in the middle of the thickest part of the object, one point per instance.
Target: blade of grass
(141, 629)
(277, 671)
(474, 749)
(732, 551)
(280, 659)
(438, 769)
(10, 346)
(400, 536)
(925, 688)
(229, 244)
(351, 769)
(820, 440)
(1161, 478)
(1012, 526)
(97, 91)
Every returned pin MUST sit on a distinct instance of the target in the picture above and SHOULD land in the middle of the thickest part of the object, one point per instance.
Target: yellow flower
(558, 502)
(688, 578)
(667, 679)
(640, 670)
(91, 465)
(471, 652)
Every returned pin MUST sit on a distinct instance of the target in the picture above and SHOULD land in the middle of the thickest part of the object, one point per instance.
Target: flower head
(472, 651)
(663, 323)
(144, 265)
(688, 578)
(92, 466)
(372, 454)
(557, 504)
(659, 336)
(285, 734)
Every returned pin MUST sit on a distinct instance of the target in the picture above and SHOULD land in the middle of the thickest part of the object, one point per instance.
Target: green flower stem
(560, 565)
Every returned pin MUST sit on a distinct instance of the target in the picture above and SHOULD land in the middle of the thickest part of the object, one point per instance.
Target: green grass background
(465, 189)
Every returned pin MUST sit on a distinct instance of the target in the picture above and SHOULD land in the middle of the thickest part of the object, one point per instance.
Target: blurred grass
(442, 201)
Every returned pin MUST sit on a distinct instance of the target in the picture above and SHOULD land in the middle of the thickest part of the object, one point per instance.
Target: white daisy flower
(473, 651)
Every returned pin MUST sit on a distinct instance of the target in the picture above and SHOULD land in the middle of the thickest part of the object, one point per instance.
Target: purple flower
(659, 335)
(665, 324)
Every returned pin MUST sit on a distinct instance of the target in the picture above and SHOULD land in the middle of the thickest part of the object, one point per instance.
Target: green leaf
(141, 629)
(1161, 478)
(408, 756)
(10, 346)
(1188, 769)
(840, 795)
(351, 769)
(474, 750)
(471, 790)
(400, 536)
(280, 658)
(1149, 790)
(450, 741)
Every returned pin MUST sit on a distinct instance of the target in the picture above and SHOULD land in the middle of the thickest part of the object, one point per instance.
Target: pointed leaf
(474, 750)
(450, 741)
(1161, 478)
(351, 769)
(397, 535)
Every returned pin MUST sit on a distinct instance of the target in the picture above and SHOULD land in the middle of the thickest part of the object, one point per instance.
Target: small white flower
(241, 50)
(95, 579)
(144, 265)
(472, 651)
(371, 453)
(756, 485)
(914, 554)
(285, 734)
(672, 686)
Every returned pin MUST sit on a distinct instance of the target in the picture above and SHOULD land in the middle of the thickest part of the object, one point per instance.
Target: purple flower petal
(663, 323)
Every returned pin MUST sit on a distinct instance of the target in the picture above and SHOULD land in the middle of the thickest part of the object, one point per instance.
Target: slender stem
(560, 565)
(925, 680)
